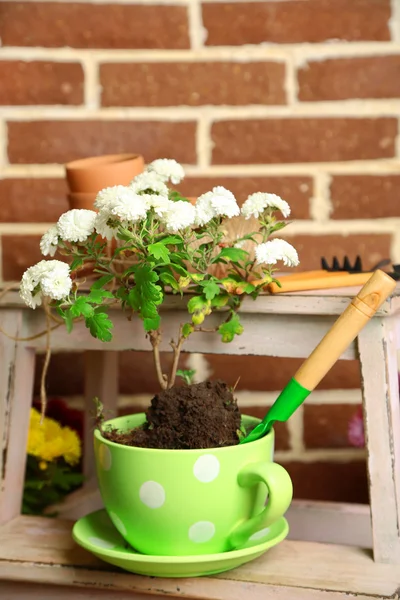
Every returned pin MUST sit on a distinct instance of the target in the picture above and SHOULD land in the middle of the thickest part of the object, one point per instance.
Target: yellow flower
(49, 441)
(43, 465)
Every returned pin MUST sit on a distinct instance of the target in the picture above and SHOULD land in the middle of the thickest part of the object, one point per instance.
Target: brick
(40, 82)
(365, 196)
(326, 425)
(268, 373)
(330, 481)
(302, 140)
(32, 200)
(295, 21)
(192, 83)
(344, 78)
(371, 247)
(295, 190)
(18, 253)
(88, 25)
(62, 141)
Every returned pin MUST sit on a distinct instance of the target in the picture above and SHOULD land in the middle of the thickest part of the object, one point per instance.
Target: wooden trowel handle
(345, 329)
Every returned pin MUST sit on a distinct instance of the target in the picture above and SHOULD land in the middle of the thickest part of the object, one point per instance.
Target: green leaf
(172, 239)
(278, 225)
(170, 280)
(81, 307)
(187, 329)
(76, 263)
(97, 296)
(186, 374)
(199, 307)
(179, 269)
(151, 323)
(100, 326)
(230, 328)
(159, 251)
(220, 300)
(101, 282)
(235, 255)
(210, 289)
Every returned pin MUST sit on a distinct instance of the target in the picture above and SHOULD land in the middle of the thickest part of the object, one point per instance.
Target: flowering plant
(146, 240)
(53, 453)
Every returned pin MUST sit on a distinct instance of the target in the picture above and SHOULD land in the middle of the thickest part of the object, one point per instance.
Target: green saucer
(97, 534)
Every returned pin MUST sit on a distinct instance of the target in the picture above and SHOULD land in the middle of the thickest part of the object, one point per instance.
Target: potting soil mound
(202, 415)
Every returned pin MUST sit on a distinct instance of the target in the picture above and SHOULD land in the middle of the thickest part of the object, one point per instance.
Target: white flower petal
(167, 169)
(256, 203)
(204, 209)
(101, 225)
(76, 225)
(107, 197)
(148, 182)
(49, 241)
(224, 202)
(270, 252)
(48, 277)
(180, 215)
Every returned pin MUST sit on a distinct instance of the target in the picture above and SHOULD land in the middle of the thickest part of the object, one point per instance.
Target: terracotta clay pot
(90, 175)
(82, 200)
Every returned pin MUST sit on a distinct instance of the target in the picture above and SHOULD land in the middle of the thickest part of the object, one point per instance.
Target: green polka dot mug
(187, 502)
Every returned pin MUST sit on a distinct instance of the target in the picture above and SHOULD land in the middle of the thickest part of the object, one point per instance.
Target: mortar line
(295, 426)
(394, 21)
(3, 145)
(203, 142)
(321, 207)
(265, 51)
(390, 167)
(352, 109)
(291, 86)
(91, 83)
(196, 30)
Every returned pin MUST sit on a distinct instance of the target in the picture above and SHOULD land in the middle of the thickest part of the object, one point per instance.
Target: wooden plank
(315, 302)
(101, 380)
(17, 367)
(31, 544)
(264, 334)
(330, 522)
(209, 589)
(378, 354)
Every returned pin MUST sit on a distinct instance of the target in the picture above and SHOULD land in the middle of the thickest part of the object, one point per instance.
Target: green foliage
(187, 375)
(159, 251)
(199, 307)
(230, 328)
(45, 487)
(100, 326)
(146, 295)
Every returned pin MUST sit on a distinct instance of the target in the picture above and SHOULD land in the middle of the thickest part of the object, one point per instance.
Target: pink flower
(355, 430)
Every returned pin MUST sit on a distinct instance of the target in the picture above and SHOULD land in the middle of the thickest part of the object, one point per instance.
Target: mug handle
(280, 493)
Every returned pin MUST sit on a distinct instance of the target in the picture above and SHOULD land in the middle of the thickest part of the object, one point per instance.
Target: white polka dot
(206, 468)
(259, 534)
(201, 532)
(101, 543)
(105, 457)
(118, 523)
(152, 494)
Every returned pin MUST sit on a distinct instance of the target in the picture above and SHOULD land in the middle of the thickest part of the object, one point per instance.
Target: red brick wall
(296, 97)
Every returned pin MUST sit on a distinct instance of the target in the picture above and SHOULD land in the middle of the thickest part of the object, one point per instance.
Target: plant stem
(155, 339)
(176, 347)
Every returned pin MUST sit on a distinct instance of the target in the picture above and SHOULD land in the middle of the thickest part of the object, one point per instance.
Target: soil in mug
(202, 415)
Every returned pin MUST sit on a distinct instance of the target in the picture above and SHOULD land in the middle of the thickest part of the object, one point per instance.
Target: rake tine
(335, 264)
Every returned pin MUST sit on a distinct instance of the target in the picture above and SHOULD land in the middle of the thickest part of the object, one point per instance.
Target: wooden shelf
(36, 550)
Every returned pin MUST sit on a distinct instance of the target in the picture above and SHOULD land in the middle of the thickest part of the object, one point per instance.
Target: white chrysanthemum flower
(159, 204)
(180, 215)
(48, 277)
(55, 281)
(49, 241)
(129, 206)
(76, 225)
(204, 209)
(167, 169)
(224, 202)
(270, 252)
(108, 196)
(101, 224)
(150, 183)
(30, 290)
(258, 202)
(240, 244)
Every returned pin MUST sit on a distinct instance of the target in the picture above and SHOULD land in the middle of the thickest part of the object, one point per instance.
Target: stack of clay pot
(86, 177)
